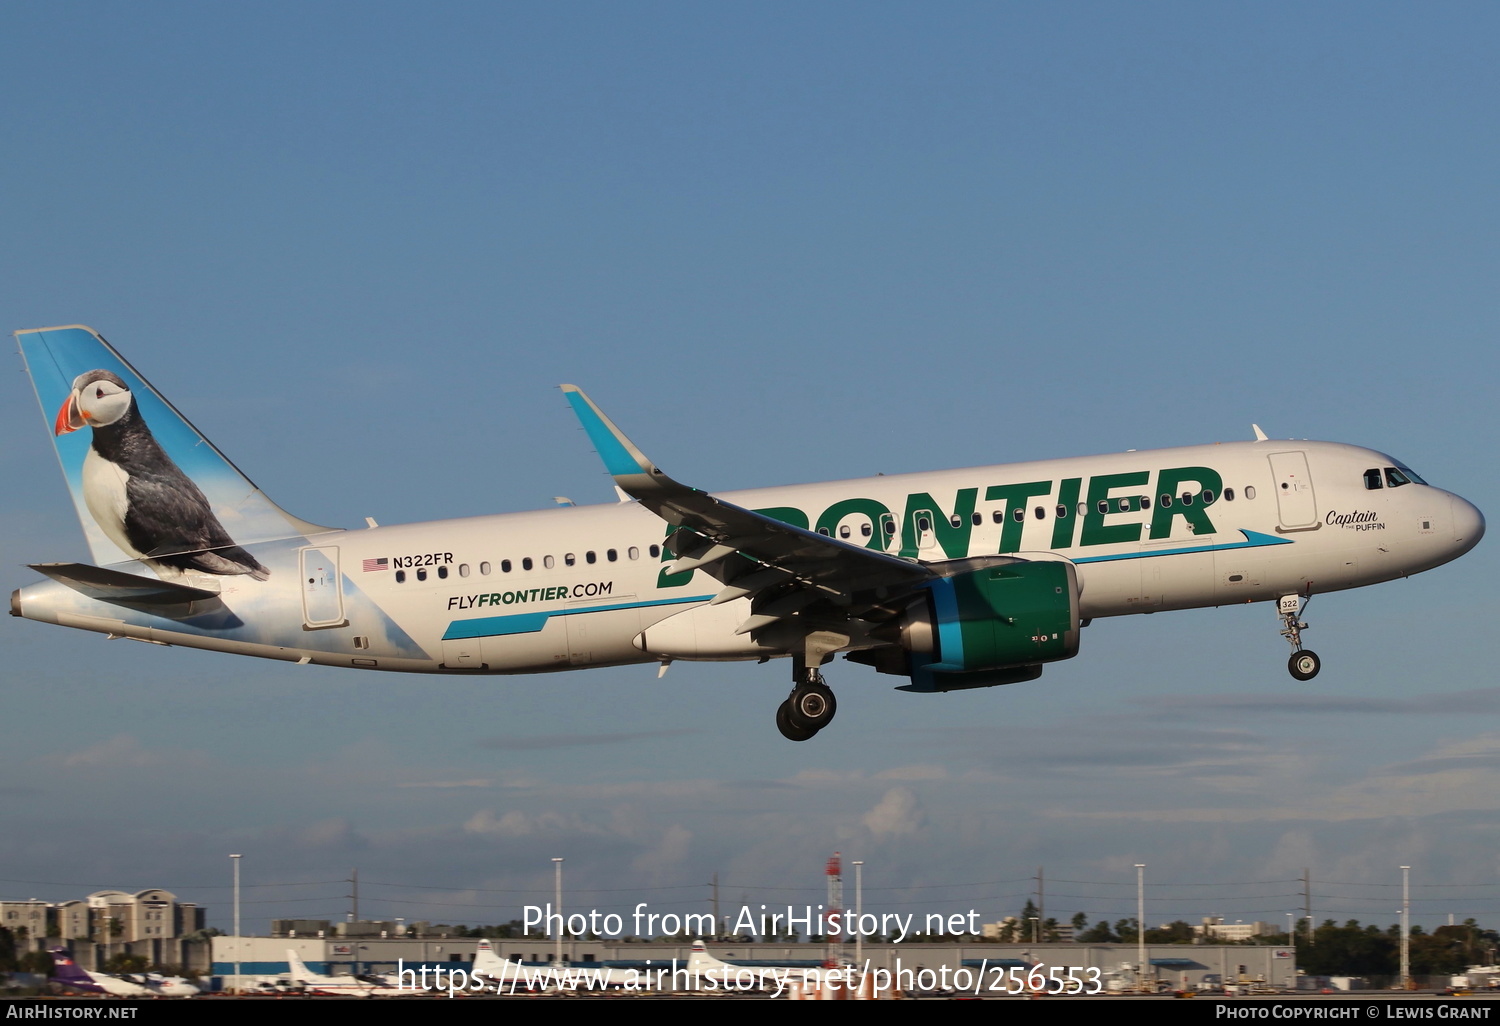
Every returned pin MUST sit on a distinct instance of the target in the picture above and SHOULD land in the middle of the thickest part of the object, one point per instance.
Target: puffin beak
(67, 417)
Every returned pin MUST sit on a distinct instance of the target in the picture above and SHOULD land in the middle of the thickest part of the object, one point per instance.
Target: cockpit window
(1411, 475)
(1372, 479)
(1395, 478)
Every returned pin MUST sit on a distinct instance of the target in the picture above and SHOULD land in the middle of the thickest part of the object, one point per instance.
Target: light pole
(859, 913)
(1291, 940)
(1405, 927)
(234, 860)
(1140, 920)
(557, 903)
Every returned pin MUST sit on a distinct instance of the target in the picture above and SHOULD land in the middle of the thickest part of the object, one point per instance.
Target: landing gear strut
(810, 706)
(1304, 664)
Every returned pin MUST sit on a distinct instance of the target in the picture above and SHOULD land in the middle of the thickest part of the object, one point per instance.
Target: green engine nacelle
(992, 625)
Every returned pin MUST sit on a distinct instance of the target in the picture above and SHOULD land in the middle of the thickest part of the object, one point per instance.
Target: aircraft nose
(1468, 524)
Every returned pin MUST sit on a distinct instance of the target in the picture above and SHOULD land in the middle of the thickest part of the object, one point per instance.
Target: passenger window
(527, 564)
(548, 562)
(1062, 512)
(400, 576)
(1187, 498)
(504, 566)
(1018, 514)
(977, 519)
(1249, 491)
(866, 530)
(844, 531)
(1124, 505)
(655, 551)
(1103, 505)
(1145, 502)
(443, 573)
(1083, 509)
(1041, 512)
(923, 524)
(823, 531)
(1166, 500)
(589, 557)
(888, 523)
(1208, 496)
(569, 559)
(611, 555)
(633, 552)
(999, 516)
(1229, 495)
(484, 568)
(463, 569)
(421, 575)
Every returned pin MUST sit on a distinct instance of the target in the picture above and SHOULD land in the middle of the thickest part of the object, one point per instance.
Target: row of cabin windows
(1124, 504)
(527, 563)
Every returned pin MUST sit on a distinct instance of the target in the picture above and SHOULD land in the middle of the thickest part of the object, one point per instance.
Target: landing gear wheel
(1304, 665)
(812, 706)
(789, 730)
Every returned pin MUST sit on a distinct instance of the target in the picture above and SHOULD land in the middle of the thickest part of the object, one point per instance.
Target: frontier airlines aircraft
(953, 579)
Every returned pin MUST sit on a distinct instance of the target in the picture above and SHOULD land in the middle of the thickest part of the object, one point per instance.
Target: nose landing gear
(1304, 664)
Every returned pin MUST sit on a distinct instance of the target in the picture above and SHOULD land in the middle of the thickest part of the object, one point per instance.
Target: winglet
(625, 463)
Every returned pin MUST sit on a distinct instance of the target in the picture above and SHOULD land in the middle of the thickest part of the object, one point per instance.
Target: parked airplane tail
(700, 961)
(298, 968)
(67, 971)
(487, 960)
(146, 484)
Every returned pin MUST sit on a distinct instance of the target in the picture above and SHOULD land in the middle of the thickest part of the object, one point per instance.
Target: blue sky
(360, 244)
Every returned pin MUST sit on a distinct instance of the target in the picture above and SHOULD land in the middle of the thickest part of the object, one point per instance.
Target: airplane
(167, 986)
(69, 974)
(317, 983)
(503, 975)
(705, 966)
(953, 580)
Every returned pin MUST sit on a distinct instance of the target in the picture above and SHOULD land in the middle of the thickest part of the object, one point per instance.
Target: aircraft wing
(784, 569)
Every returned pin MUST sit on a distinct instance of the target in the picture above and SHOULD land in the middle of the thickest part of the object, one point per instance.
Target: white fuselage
(586, 586)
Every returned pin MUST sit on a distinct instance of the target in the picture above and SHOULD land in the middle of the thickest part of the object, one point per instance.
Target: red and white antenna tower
(837, 953)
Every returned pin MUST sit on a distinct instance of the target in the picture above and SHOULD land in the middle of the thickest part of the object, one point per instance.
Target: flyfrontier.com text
(764, 924)
(520, 978)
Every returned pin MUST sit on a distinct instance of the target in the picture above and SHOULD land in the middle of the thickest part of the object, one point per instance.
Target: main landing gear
(810, 706)
(1304, 664)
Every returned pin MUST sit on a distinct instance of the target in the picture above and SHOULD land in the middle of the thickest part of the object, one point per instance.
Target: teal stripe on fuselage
(530, 623)
(1253, 540)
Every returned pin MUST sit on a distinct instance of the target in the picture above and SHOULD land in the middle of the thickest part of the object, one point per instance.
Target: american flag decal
(383, 563)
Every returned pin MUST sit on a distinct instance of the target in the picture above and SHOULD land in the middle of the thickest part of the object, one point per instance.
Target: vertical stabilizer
(145, 483)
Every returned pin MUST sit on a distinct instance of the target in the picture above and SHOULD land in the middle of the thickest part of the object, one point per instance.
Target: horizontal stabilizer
(116, 586)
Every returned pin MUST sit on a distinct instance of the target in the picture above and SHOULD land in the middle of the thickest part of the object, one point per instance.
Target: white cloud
(120, 752)
(898, 812)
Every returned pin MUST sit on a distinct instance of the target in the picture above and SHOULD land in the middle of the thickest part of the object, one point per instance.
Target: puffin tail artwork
(146, 484)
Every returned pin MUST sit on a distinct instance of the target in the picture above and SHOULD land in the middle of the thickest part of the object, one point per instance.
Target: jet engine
(982, 626)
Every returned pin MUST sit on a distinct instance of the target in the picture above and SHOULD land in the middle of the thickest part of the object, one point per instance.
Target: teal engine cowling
(984, 626)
